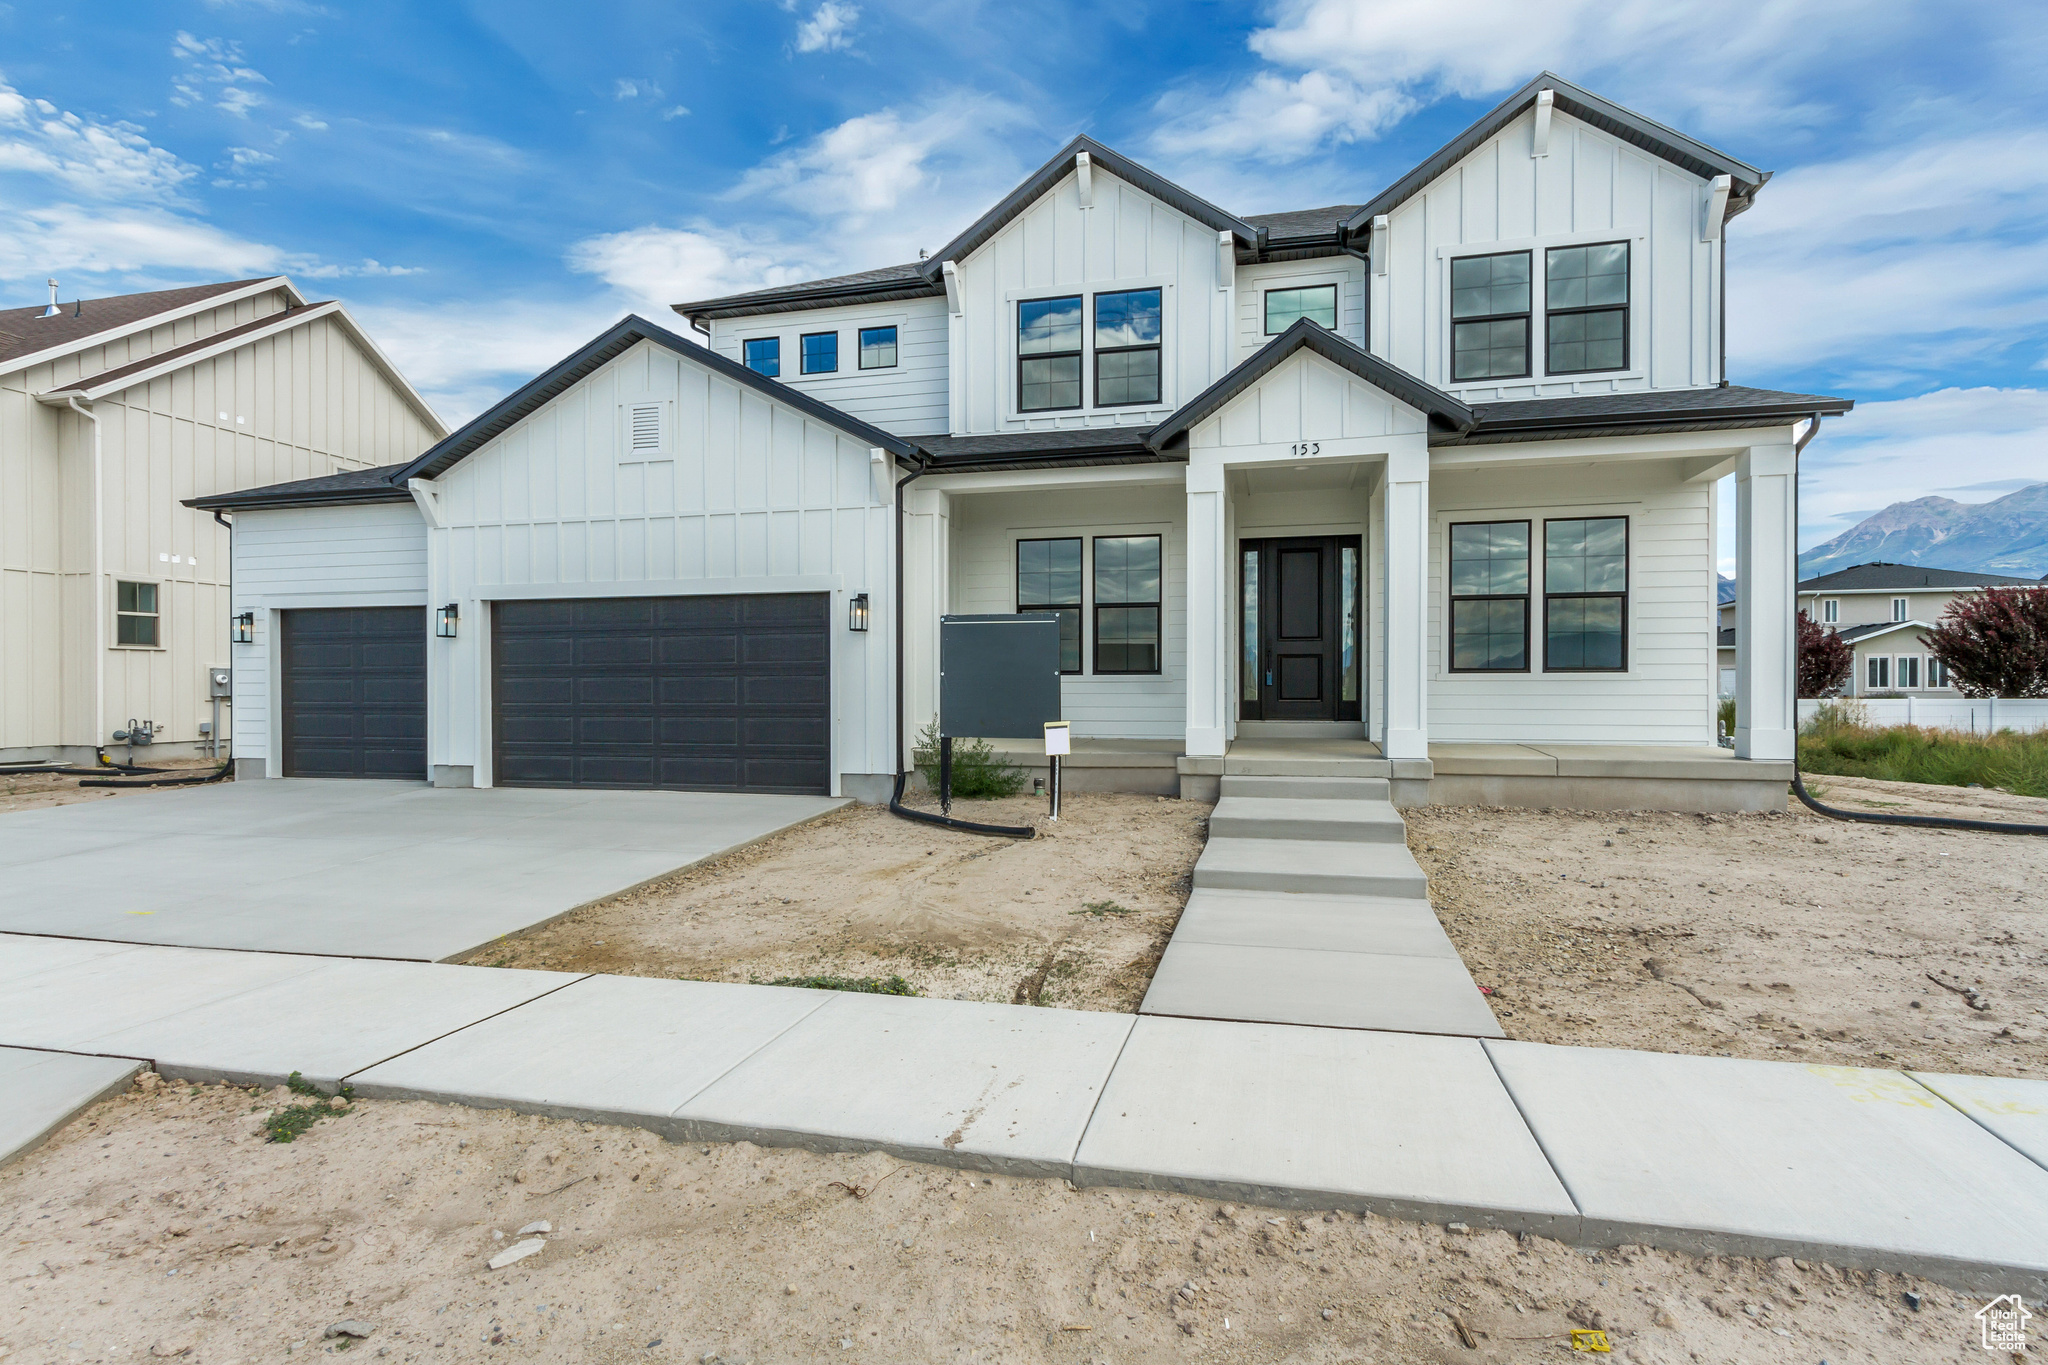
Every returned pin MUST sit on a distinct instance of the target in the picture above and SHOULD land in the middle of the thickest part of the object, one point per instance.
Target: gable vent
(645, 428)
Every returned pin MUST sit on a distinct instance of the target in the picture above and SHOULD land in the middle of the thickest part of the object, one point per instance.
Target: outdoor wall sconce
(857, 612)
(243, 630)
(444, 624)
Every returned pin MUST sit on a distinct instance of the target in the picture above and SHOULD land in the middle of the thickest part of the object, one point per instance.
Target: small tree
(1824, 659)
(1995, 642)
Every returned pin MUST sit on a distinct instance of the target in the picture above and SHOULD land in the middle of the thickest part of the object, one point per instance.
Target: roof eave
(252, 502)
(751, 305)
(154, 320)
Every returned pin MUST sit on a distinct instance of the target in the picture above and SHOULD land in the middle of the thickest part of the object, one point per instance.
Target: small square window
(1285, 307)
(136, 621)
(878, 348)
(821, 353)
(764, 355)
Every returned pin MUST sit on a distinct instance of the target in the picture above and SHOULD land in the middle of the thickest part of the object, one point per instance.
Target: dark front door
(1301, 644)
(684, 693)
(355, 692)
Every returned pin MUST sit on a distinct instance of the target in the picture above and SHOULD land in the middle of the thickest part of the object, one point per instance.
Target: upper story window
(1898, 609)
(1127, 331)
(1490, 597)
(1316, 302)
(878, 348)
(1585, 595)
(1585, 300)
(135, 616)
(1490, 316)
(1049, 354)
(1830, 611)
(1049, 579)
(763, 355)
(821, 353)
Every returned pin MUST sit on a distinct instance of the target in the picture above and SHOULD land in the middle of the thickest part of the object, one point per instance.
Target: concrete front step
(1324, 866)
(1308, 766)
(1308, 788)
(1267, 817)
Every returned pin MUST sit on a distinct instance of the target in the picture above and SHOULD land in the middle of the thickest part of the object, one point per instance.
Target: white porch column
(1766, 542)
(1406, 546)
(927, 546)
(1208, 651)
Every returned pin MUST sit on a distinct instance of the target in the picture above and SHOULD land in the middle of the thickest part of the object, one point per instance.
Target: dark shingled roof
(1643, 410)
(350, 486)
(1302, 222)
(25, 331)
(1864, 632)
(883, 285)
(1882, 577)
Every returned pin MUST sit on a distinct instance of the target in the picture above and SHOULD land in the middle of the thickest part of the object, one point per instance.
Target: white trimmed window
(1937, 672)
(1898, 609)
(1830, 611)
(1878, 672)
(136, 619)
(1908, 670)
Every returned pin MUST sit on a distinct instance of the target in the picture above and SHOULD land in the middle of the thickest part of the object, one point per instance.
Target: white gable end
(1307, 399)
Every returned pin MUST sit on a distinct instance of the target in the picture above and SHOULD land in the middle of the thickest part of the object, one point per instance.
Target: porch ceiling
(1318, 476)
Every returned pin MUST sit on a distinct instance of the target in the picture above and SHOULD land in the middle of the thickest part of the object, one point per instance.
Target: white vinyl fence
(1976, 715)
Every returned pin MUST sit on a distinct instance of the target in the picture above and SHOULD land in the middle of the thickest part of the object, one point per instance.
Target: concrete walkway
(1309, 909)
(1938, 1175)
(356, 869)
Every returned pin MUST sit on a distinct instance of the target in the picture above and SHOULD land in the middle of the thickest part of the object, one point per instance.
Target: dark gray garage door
(355, 692)
(686, 693)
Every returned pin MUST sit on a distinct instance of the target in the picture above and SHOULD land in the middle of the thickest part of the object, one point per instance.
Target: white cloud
(675, 111)
(1271, 116)
(313, 269)
(215, 61)
(242, 168)
(311, 124)
(109, 161)
(624, 89)
(465, 358)
(238, 102)
(653, 267)
(829, 29)
(141, 240)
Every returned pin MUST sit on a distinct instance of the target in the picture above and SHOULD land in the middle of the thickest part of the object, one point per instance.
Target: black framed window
(1316, 302)
(763, 355)
(1490, 316)
(135, 616)
(878, 348)
(820, 352)
(1127, 332)
(1490, 597)
(1049, 579)
(1585, 301)
(1049, 354)
(1585, 595)
(1127, 580)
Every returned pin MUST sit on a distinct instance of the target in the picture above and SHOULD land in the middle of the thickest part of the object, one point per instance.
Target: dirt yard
(161, 1224)
(1076, 917)
(1780, 936)
(30, 791)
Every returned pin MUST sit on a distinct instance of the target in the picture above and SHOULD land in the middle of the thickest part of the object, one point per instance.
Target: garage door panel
(721, 693)
(354, 683)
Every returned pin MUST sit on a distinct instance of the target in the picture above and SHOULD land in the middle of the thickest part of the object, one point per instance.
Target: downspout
(99, 586)
(1798, 781)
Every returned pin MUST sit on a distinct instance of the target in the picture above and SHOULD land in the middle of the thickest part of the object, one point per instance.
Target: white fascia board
(92, 392)
(247, 291)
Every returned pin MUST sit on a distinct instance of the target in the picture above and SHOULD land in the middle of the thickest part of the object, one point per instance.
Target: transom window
(1316, 302)
(1585, 298)
(878, 348)
(1127, 330)
(1049, 579)
(136, 621)
(1585, 595)
(1490, 597)
(763, 355)
(1049, 354)
(1490, 316)
(821, 353)
(1127, 578)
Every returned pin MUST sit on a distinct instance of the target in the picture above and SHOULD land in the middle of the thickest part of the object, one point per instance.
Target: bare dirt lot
(29, 791)
(1779, 936)
(1076, 917)
(161, 1224)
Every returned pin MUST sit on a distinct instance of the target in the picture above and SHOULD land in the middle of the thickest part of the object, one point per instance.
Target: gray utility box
(999, 676)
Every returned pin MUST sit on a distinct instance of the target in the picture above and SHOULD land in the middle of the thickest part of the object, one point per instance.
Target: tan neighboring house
(1884, 612)
(113, 595)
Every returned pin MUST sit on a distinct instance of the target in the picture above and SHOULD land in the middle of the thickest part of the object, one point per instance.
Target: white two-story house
(1422, 482)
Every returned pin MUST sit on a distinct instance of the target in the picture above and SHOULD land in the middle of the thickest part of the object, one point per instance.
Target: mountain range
(2007, 535)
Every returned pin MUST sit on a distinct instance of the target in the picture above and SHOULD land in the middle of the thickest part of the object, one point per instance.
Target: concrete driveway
(355, 869)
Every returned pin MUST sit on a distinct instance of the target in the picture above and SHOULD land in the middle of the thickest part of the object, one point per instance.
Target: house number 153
(1307, 448)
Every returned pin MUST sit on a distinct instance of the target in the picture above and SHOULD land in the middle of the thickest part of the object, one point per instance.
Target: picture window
(878, 348)
(1285, 307)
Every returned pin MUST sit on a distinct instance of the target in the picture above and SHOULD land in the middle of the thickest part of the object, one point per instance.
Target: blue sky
(487, 185)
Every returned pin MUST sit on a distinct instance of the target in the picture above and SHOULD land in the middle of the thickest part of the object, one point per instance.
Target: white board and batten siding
(1306, 399)
(985, 532)
(908, 398)
(1125, 240)
(747, 495)
(1667, 693)
(1590, 187)
(289, 559)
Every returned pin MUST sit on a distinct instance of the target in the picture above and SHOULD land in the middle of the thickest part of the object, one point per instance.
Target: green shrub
(979, 774)
(1838, 740)
(866, 985)
(1726, 711)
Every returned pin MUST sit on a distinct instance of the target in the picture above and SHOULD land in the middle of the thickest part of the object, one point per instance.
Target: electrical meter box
(219, 682)
(999, 676)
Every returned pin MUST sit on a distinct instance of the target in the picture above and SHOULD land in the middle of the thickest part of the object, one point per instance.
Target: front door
(1300, 651)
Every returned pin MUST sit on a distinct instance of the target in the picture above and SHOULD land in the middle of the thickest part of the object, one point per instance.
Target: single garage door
(355, 692)
(684, 693)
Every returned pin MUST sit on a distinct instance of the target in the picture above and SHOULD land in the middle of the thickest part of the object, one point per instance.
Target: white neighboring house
(113, 596)
(1883, 611)
(1426, 480)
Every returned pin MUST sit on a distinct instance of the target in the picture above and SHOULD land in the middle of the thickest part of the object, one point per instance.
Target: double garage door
(685, 693)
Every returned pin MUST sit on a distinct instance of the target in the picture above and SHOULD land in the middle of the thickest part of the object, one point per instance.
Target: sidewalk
(1941, 1176)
